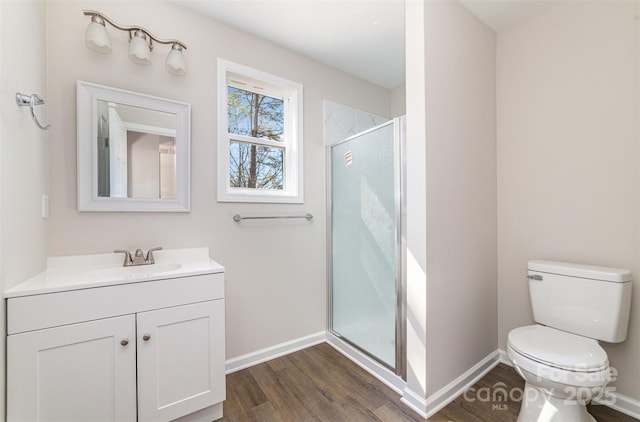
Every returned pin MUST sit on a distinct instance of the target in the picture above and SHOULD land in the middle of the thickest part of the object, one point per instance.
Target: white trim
(257, 141)
(154, 130)
(263, 355)
(451, 391)
(380, 372)
(504, 358)
(623, 404)
(293, 192)
(87, 97)
(415, 401)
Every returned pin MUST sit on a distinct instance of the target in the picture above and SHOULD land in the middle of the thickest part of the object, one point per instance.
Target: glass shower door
(364, 242)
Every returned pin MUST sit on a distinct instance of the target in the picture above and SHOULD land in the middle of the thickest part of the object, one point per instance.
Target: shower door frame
(399, 164)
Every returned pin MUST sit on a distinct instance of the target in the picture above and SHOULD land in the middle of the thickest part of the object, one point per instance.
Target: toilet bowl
(560, 359)
(563, 372)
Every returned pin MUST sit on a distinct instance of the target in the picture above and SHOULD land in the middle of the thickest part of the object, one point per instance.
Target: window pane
(255, 115)
(255, 166)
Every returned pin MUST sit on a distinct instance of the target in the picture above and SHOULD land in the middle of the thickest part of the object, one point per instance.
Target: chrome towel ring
(31, 101)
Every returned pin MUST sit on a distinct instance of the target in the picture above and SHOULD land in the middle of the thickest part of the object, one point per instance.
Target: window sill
(246, 195)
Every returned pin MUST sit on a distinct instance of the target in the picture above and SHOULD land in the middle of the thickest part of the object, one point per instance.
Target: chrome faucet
(138, 257)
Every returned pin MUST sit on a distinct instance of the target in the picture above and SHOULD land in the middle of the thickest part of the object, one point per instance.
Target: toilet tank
(586, 300)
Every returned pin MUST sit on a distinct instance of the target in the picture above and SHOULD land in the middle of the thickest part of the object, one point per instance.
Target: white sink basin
(139, 271)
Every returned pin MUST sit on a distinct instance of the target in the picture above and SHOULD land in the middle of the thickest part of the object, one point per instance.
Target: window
(259, 136)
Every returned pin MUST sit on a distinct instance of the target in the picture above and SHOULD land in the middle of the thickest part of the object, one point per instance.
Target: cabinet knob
(146, 337)
(124, 341)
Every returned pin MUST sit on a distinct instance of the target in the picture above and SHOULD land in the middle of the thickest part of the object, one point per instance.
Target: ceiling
(362, 37)
(500, 14)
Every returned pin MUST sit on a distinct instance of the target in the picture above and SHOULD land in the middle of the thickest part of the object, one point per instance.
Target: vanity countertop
(89, 271)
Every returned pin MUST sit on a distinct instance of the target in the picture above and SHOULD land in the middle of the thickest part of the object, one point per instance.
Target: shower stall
(366, 244)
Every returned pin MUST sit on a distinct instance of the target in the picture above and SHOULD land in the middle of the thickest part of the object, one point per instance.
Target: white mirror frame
(88, 95)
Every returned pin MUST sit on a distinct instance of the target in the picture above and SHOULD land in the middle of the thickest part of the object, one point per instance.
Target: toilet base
(540, 406)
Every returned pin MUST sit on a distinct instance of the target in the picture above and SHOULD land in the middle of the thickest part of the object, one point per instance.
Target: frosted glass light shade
(175, 61)
(97, 39)
(139, 51)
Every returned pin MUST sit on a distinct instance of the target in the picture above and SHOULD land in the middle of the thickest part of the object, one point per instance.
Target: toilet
(560, 359)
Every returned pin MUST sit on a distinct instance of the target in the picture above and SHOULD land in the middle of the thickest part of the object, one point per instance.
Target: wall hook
(31, 101)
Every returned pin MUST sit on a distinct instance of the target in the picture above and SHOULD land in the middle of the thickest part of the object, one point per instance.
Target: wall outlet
(45, 205)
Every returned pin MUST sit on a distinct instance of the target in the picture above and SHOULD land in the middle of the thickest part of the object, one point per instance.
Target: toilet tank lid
(618, 275)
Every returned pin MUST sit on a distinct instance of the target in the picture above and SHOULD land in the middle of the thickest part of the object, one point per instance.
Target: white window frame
(230, 73)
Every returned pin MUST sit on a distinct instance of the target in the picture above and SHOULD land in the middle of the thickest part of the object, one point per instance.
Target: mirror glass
(136, 152)
(133, 151)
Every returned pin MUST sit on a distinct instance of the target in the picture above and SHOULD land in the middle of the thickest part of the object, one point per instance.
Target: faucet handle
(128, 260)
(149, 258)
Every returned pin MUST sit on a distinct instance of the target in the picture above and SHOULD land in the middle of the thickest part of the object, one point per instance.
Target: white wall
(24, 146)
(143, 165)
(460, 84)
(452, 174)
(568, 169)
(23, 151)
(275, 269)
(399, 100)
(416, 188)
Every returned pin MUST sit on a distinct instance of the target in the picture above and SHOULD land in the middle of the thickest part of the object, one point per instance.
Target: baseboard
(504, 358)
(414, 401)
(380, 372)
(453, 390)
(263, 355)
(623, 404)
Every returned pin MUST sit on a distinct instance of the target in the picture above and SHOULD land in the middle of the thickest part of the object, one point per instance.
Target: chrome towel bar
(238, 217)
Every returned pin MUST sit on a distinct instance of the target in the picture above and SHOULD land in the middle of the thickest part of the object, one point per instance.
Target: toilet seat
(558, 356)
(558, 349)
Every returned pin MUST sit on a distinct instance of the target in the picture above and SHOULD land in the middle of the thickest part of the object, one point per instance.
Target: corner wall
(568, 155)
(451, 197)
(461, 261)
(416, 192)
(23, 151)
(24, 145)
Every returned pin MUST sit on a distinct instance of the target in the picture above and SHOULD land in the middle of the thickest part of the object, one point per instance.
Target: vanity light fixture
(175, 60)
(140, 42)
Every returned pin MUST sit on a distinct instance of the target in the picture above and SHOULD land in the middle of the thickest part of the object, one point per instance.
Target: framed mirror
(133, 151)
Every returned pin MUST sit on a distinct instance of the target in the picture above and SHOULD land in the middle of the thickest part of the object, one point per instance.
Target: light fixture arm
(132, 29)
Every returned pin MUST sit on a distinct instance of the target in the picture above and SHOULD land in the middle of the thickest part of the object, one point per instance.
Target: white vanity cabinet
(149, 350)
(180, 360)
(75, 372)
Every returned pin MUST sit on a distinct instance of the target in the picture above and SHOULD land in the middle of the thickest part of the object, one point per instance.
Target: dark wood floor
(319, 384)
(475, 407)
(314, 384)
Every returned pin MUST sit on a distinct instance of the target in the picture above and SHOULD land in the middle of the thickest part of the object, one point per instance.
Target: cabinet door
(79, 372)
(181, 366)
